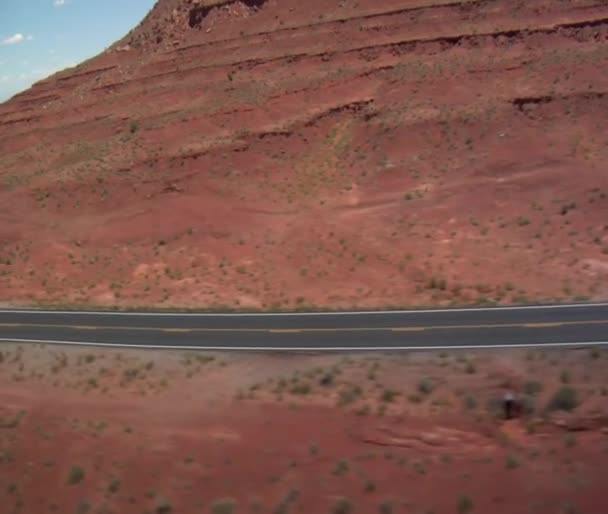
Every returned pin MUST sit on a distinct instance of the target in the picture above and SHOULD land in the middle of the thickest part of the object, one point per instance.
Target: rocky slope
(283, 154)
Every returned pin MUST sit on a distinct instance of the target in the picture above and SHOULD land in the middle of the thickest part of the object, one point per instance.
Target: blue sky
(40, 37)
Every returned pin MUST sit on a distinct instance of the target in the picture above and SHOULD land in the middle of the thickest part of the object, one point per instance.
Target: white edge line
(321, 313)
(310, 349)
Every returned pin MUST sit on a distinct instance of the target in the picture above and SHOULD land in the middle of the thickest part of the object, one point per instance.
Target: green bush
(342, 506)
(114, 486)
(522, 221)
(386, 508)
(426, 386)
(533, 387)
(528, 404)
(465, 505)
(470, 403)
(341, 468)
(76, 475)
(300, 389)
(565, 399)
(163, 506)
(224, 506)
(389, 396)
(511, 462)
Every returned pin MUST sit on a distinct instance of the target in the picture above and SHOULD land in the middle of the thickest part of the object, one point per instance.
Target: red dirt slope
(281, 154)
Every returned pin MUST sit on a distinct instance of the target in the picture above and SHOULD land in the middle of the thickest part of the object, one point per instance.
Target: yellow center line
(285, 331)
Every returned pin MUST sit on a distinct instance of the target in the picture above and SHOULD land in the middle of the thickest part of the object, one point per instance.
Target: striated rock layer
(284, 154)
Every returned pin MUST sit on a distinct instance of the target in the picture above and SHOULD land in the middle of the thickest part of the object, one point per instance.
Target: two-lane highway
(550, 325)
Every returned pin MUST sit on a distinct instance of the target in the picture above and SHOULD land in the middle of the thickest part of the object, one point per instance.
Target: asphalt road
(557, 325)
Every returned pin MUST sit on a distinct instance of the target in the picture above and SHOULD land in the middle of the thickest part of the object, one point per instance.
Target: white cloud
(59, 3)
(13, 40)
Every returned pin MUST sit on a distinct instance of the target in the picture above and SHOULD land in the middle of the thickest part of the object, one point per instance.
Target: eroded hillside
(283, 154)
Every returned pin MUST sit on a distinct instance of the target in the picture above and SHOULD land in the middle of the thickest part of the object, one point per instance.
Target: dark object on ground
(509, 405)
(327, 380)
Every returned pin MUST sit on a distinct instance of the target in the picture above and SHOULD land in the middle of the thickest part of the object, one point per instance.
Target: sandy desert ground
(110, 431)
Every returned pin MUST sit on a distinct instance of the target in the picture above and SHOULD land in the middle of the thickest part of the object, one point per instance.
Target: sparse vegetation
(511, 462)
(426, 386)
(349, 395)
(224, 506)
(595, 353)
(114, 486)
(470, 403)
(300, 389)
(163, 506)
(76, 475)
(465, 505)
(341, 468)
(385, 507)
(533, 387)
(565, 399)
(389, 396)
(342, 506)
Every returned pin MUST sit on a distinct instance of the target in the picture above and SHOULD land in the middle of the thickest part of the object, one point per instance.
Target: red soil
(179, 430)
(316, 153)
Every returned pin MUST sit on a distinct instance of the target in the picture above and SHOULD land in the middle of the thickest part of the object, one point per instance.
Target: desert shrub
(75, 475)
(163, 506)
(224, 506)
(564, 399)
(300, 389)
(426, 386)
(385, 508)
(470, 402)
(114, 486)
(465, 505)
(389, 396)
(528, 404)
(342, 506)
(511, 462)
(533, 387)
(341, 468)
(350, 395)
